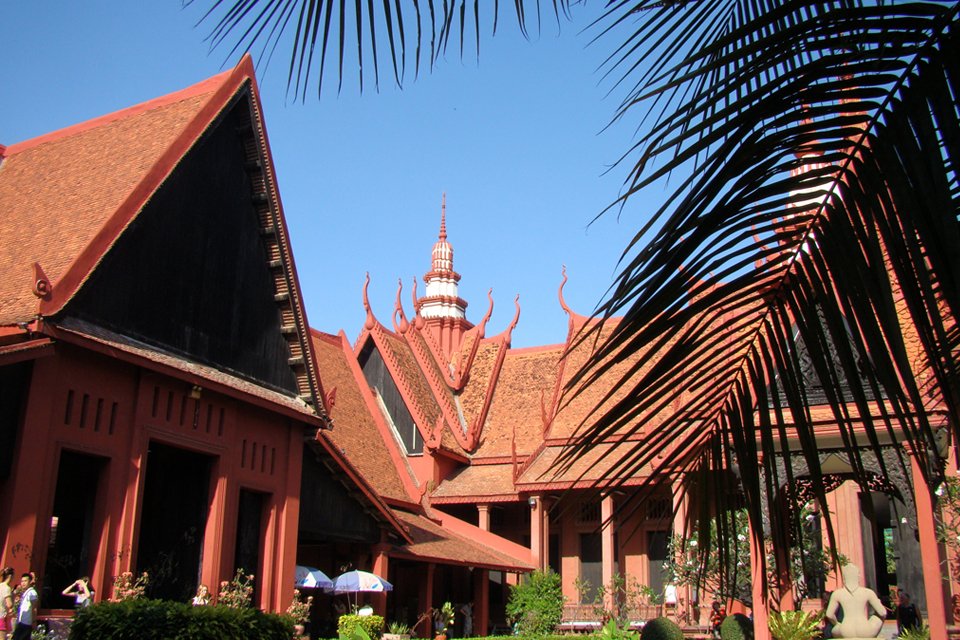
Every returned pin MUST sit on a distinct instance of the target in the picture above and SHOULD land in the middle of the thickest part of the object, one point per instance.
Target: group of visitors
(18, 618)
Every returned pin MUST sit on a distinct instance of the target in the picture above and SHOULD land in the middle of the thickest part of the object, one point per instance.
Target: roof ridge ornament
(563, 303)
(402, 325)
(370, 321)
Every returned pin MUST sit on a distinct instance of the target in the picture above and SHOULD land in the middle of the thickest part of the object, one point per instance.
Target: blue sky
(514, 139)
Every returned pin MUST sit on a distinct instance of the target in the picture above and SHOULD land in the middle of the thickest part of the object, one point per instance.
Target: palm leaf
(818, 217)
(243, 24)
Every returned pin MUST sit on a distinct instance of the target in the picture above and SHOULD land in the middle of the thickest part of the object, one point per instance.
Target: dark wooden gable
(378, 377)
(329, 510)
(195, 273)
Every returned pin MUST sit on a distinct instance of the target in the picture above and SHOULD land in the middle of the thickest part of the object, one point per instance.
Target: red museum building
(166, 407)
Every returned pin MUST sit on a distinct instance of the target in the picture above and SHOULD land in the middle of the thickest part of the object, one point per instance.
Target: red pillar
(483, 516)
(481, 601)
(929, 555)
(606, 545)
(424, 628)
(381, 566)
(536, 531)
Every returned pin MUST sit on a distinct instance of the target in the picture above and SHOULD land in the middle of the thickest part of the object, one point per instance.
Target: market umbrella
(356, 581)
(310, 577)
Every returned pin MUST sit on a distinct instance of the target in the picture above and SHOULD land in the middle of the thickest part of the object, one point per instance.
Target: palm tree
(813, 233)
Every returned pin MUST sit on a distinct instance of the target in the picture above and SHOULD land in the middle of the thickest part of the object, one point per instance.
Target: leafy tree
(536, 604)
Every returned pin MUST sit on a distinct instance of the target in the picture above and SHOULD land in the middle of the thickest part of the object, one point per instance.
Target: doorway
(70, 554)
(173, 520)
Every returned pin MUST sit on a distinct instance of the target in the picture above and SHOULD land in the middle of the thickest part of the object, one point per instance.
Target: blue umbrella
(310, 577)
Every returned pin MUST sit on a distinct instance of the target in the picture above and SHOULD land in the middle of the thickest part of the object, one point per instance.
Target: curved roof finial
(516, 315)
(403, 325)
(563, 303)
(443, 217)
(483, 323)
(370, 321)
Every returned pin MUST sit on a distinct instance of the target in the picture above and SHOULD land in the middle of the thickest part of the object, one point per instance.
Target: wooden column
(929, 554)
(481, 601)
(424, 629)
(536, 531)
(381, 567)
(606, 544)
(483, 516)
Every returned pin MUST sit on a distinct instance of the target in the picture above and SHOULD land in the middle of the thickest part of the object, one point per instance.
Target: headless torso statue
(863, 613)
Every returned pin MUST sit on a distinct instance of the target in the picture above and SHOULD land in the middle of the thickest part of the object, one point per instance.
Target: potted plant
(444, 619)
(397, 631)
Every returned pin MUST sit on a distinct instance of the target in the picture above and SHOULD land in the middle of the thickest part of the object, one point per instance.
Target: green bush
(736, 627)
(794, 625)
(536, 604)
(661, 629)
(162, 620)
(372, 625)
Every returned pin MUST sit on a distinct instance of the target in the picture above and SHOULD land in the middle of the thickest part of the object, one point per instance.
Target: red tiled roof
(355, 432)
(478, 482)
(438, 543)
(543, 473)
(475, 392)
(58, 191)
(527, 382)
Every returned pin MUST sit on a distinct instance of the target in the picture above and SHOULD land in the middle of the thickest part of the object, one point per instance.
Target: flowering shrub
(125, 587)
(299, 609)
(238, 593)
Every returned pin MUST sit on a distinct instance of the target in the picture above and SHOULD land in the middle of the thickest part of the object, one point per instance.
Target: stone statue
(856, 602)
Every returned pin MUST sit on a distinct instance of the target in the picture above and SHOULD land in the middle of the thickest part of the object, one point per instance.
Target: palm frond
(812, 240)
(242, 25)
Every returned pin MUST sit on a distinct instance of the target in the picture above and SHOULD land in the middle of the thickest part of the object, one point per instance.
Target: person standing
(6, 603)
(28, 609)
(81, 592)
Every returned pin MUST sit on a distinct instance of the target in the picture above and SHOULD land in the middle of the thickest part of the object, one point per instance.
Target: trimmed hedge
(163, 620)
(373, 625)
(661, 629)
(736, 627)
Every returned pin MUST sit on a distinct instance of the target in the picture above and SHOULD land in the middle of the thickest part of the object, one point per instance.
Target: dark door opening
(173, 520)
(250, 536)
(71, 526)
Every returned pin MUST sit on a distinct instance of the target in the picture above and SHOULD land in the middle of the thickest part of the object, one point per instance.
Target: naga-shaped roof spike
(481, 329)
(403, 325)
(370, 322)
(516, 318)
(563, 303)
(418, 320)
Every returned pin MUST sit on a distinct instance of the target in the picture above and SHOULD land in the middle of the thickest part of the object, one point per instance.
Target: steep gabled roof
(359, 431)
(71, 197)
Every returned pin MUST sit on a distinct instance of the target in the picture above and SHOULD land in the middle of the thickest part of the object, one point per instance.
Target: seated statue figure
(856, 602)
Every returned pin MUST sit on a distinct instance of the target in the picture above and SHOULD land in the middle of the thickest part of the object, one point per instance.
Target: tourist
(717, 615)
(6, 603)
(81, 591)
(203, 596)
(907, 615)
(27, 610)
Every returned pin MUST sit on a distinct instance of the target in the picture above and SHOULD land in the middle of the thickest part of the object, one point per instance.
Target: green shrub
(347, 625)
(736, 627)
(661, 629)
(916, 633)
(794, 625)
(162, 620)
(536, 604)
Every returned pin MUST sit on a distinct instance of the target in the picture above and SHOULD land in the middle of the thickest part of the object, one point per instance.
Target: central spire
(441, 299)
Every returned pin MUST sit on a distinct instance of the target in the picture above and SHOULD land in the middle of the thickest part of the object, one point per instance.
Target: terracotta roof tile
(545, 472)
(431, 541)
(355, 432)
(476, 481)
(57, 191)
(527, 378)
(474, 394)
